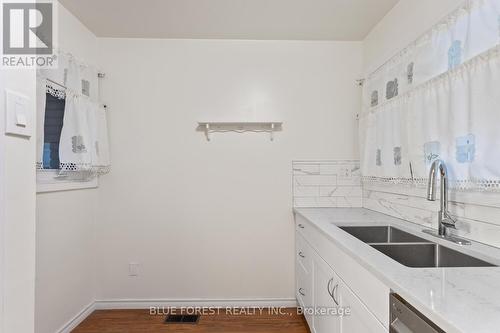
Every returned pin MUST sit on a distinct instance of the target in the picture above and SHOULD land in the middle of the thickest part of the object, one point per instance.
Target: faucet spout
(431, 187)
(437, 166)
(445, 219)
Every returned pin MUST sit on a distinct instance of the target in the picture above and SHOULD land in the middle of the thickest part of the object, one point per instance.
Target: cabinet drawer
(304, 292)
(302, 226)
(303, 252)
(304, 286)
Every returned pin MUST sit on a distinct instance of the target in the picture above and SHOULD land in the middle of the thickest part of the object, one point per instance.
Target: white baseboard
(76, 320)
(165, 303)
(121, 304)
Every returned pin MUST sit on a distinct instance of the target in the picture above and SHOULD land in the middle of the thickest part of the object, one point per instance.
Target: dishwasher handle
(397, 326)
(406, 319)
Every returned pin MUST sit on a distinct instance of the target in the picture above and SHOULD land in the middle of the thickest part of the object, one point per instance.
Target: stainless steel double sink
(410, 250)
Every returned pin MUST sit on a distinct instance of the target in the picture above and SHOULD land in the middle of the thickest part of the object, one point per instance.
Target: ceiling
(231, 19)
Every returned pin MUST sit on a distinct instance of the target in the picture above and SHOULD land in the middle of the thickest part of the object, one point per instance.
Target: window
(48, 179)
(54, 117)
(72, 138)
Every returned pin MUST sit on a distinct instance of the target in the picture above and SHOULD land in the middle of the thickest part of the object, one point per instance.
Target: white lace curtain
(83, 147)
(439, 98)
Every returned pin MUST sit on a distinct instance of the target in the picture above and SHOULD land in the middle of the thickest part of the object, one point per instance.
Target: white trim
(114, 304)
(76, 320)
(2, 235)
(2, 214)
(46, 182)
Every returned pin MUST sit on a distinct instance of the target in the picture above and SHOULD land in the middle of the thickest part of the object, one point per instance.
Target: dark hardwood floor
(140, 321)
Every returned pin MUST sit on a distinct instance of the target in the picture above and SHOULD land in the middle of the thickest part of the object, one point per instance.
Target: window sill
(46, 182)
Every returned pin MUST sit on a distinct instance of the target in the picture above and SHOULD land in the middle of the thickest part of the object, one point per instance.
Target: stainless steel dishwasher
(406, 319)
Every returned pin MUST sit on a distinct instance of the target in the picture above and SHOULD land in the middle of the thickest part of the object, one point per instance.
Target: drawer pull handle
(334, 292)
(301, 254)
(301, 226)
(301, 291)
(328, 287)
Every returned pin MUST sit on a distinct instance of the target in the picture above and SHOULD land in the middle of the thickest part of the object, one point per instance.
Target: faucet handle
(449, 221)
(449, 224)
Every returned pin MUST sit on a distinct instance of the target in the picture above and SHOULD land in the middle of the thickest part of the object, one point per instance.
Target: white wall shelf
(239, 127)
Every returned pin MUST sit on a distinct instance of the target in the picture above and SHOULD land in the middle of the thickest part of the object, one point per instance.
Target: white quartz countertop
(465, 300)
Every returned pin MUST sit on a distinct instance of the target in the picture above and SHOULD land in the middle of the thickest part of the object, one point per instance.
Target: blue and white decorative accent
(392, 89)
(397, 156)
(442, 86)
(378, 161)
(467, 32)
(409, 72)
(432, 151)
(374, 100)
(455, 54)
(466, 148)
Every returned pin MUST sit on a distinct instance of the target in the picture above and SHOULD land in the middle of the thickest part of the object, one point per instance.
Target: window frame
(46, 182)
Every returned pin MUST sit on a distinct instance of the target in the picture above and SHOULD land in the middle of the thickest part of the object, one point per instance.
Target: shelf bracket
(207, 131)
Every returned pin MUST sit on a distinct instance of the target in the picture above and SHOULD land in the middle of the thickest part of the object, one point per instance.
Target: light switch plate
(17, 114)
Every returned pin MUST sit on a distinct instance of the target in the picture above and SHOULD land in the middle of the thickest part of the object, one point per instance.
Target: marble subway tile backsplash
(326, 184)
(477, 214)
(330, 184)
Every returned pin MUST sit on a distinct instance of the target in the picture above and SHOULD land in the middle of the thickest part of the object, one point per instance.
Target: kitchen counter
(456, 299)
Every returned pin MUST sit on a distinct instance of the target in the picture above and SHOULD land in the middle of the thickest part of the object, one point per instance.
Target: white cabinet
(325, 297)
(324, 292)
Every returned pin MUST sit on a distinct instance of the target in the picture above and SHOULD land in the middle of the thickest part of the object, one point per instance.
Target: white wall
(17, 211)
(65, 223)
(477, 213)
(213, 220)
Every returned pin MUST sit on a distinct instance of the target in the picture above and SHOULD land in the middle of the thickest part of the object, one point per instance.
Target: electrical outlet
(133, 269)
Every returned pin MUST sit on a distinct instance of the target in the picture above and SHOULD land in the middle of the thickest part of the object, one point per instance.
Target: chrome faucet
(445, 220)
